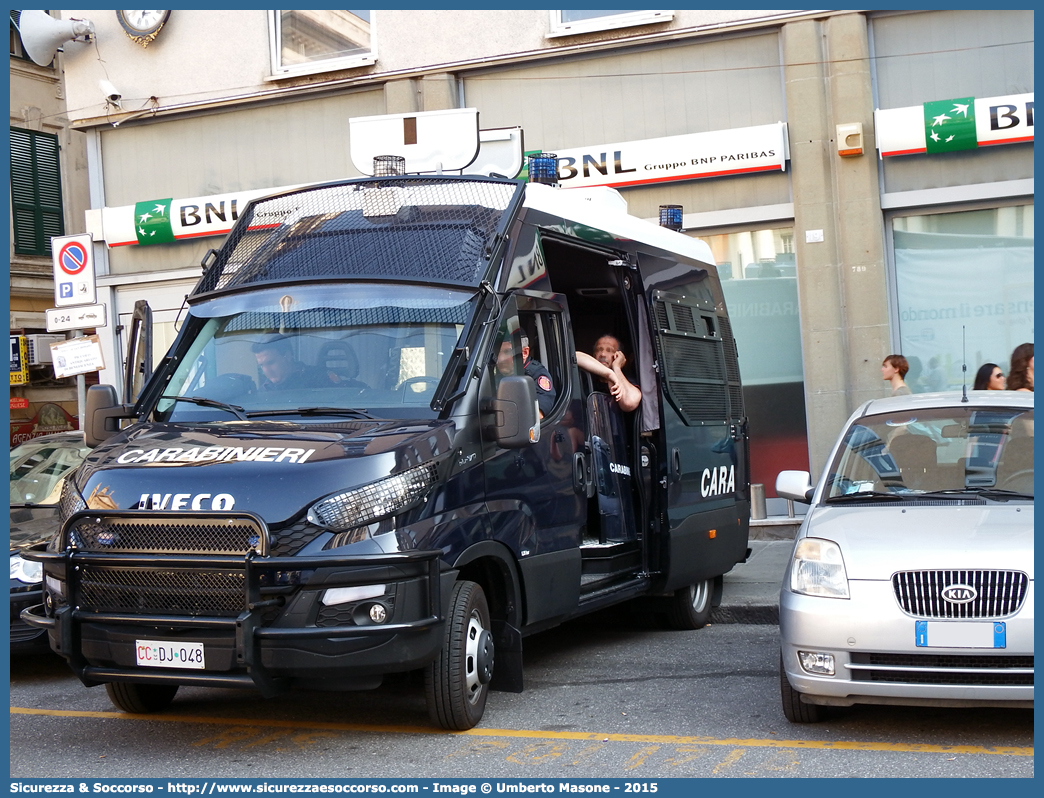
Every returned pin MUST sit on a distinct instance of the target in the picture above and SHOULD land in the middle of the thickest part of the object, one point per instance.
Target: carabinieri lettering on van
(717, 481)
(617, 468)
(199, 454)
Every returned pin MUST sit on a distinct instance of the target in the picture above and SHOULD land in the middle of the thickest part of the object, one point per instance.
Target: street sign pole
(81, 392)
(74, 285)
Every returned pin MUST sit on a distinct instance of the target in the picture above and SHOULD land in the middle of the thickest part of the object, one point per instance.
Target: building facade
(763, 126)
(48, 193)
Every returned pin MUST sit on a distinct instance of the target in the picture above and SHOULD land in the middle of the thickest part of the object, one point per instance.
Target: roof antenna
(964, 365)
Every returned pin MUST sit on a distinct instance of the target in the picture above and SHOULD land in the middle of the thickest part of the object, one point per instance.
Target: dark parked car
(38, 468)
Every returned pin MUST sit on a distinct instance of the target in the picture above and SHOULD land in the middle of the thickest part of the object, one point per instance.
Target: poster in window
(19, 361)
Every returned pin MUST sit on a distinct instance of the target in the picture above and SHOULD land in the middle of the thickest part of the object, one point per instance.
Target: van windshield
(985, 451)
(378, 349)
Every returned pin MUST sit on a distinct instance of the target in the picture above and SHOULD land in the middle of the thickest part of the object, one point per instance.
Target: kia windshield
(354, 350)
(987, 452)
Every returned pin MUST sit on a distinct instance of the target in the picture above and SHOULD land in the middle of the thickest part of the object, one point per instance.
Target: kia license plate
(169, 654)
(957, 634)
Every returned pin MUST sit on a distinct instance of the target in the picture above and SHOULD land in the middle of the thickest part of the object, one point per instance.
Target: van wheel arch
(491, 565)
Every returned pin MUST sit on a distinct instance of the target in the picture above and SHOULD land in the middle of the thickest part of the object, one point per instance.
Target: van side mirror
(516, 422)
(102, 414)
(795, 485)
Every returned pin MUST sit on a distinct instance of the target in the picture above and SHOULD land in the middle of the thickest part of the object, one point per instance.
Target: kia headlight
(31, 573)
(818, 569)
(381, 499)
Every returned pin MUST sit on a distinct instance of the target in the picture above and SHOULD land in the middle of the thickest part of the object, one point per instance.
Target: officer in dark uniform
(545, 386)
(534, 369)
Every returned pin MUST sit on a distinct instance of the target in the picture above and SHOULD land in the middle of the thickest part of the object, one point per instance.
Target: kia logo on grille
(959, 594)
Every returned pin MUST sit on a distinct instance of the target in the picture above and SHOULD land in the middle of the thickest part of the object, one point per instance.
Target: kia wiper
(867, 495)
(235, 410)
(312, 411)
(997, 494)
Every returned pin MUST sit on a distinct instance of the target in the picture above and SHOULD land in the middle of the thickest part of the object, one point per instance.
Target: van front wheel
(457, 682)
(691, 606)
(140, 699)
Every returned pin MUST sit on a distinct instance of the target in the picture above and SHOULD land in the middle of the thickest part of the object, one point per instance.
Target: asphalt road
(609, 696)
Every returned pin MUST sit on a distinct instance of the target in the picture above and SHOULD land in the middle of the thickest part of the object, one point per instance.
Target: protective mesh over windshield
(319, 318)
(432, 228)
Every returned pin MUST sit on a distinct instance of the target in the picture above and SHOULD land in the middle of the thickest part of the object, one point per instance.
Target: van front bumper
(281, 637)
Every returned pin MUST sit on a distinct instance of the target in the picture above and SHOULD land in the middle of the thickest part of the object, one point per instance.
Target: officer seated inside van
(607, 363)
(282, 370)
(534, 369)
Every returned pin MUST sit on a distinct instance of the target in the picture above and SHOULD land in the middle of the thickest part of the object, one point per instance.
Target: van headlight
(818, 569)
(31, 573)
(381, 499)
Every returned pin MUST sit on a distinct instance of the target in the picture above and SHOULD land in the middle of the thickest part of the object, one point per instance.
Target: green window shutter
(36, 191)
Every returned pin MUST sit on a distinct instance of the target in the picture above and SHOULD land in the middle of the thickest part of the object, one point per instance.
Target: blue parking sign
(65, 290)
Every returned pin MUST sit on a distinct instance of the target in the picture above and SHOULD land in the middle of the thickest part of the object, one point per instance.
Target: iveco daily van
(370, 449)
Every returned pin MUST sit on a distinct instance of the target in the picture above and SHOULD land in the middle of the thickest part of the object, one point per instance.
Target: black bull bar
(64, 625)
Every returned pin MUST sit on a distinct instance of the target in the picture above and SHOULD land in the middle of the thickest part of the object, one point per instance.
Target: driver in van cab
(282, 371)
(534, 369)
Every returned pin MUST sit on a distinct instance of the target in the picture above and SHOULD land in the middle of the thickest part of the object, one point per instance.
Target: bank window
(306, 42)
(36, 191)
(963, 292)
(758, 271)
(571, 23)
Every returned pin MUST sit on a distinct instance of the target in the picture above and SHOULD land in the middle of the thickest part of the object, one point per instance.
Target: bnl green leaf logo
(950, 125)
(152, 222)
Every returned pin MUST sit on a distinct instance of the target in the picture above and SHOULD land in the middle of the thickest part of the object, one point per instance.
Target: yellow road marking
(528, 734)
(731, 759)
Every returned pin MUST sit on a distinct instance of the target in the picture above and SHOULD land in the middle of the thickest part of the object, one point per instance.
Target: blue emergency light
(543, 168)
(671, 217)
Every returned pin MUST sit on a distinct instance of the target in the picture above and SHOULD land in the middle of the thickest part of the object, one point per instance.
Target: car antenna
(964, 365)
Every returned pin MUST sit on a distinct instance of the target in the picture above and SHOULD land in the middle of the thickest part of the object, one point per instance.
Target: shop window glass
(964, 292)
(305, 42)
(759, 277)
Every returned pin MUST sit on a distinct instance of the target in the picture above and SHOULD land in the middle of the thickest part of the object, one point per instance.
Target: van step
(610, 558)
(609, 593)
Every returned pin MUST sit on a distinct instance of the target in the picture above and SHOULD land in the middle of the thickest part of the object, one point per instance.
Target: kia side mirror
(795, 485)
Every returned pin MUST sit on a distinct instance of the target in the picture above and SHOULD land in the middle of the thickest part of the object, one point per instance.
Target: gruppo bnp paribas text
(600, 163)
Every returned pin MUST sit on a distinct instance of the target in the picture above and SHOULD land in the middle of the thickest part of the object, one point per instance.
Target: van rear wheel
(691, 606)
(140, 699)
(456, 684)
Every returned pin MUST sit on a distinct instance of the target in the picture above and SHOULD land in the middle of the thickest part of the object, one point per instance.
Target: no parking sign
(73, 259)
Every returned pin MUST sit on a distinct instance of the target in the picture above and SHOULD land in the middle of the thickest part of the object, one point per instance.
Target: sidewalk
(751, 591)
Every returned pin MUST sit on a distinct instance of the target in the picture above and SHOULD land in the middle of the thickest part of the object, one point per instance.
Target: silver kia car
(911, 580)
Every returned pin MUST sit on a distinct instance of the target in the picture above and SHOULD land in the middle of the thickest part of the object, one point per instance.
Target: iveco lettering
(371, 449)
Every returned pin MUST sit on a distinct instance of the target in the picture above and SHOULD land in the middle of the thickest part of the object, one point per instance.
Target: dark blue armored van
(370, 449)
